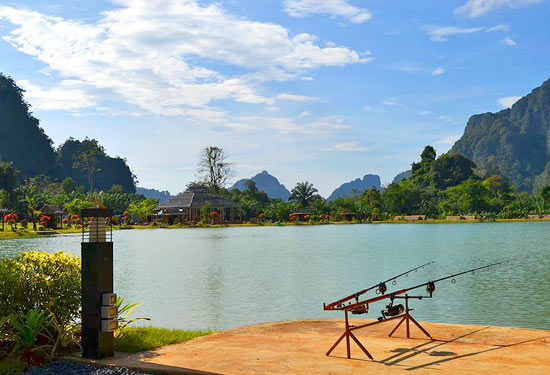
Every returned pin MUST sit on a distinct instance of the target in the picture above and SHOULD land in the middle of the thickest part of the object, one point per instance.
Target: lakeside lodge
(186, 208)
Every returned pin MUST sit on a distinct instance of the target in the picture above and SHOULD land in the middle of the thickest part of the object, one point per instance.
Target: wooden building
(301, 213)
(55, 213)
(347, 215)
(186, 208)
(410, 217)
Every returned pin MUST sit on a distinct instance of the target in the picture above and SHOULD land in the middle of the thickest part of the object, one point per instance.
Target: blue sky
(318, 90)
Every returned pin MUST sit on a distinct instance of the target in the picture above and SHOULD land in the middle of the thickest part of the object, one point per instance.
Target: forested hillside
(110, 171)
(22, 140)
(515, 141)
(24, 143)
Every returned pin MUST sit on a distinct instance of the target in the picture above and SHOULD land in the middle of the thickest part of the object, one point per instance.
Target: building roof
(197, 199)
(50, 209)
(348, 212)
(302, 211)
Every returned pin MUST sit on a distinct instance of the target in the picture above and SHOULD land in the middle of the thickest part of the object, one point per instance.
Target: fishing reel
(392, 310)
(363, 309)
(381, 289)
(430, 287)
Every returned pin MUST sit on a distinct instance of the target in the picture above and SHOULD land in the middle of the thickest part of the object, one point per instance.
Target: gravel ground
(72, 368)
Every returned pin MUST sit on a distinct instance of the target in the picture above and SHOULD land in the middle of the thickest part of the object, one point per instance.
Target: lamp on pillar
(99, 309)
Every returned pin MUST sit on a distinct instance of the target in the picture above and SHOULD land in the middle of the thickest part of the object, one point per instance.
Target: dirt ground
(299, 347)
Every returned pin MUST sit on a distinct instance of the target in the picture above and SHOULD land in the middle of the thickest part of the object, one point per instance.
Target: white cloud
(353, 146)
(390, 102)
(446, 118)
(438, 71)
(296, 98)
(509, 42)
(476, 8)
(67, 96)
(335, 8)
(501, 27)
(324, 125)
(508, 101)
(152, 54)
(441, 33)
(425, 113)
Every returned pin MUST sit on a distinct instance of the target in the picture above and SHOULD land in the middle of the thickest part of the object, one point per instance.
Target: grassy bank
(8, 234)
(148, 338)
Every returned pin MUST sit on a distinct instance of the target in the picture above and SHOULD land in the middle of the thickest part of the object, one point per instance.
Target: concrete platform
(299, 347)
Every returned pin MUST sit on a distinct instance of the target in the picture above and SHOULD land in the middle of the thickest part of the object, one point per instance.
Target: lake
(220, 278)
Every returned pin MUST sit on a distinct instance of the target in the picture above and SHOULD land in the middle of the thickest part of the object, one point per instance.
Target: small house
(302, 214)
(347, 215)
(55, 213)
(186, 208)
(414, 217)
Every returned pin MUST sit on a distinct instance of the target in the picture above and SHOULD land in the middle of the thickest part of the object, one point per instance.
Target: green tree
(143, 209)
(428, 154)
(8, 176)
(88, 157)
(214, 169)
(68, 185)
(303, 193)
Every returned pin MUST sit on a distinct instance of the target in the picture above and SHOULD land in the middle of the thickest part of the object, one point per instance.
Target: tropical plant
(303, 193)
(124, 312)
(63, 335)
(143, 209)
(28, 328)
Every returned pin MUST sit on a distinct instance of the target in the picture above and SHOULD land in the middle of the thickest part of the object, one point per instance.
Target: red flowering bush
(45, 220)
(11, 219)
(291, 217)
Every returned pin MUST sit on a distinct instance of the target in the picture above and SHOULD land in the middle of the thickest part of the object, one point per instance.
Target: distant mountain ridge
(162, 196)
(514, 142)
(345, 190)
(265, 182)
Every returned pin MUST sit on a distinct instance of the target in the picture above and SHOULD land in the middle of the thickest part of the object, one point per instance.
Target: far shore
(8, 234)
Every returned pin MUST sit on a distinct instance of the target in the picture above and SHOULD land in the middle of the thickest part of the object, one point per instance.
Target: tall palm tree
(303, 193)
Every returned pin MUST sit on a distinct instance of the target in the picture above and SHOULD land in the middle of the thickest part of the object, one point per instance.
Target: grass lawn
(147, 338)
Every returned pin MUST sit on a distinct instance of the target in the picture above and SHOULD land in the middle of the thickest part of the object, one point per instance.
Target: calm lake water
(225, 277)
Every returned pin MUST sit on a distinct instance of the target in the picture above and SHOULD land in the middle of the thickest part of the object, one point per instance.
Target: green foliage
(108, 171)
(148, 338)
(303, 194)
(68, 185)
(48, 282)
(28, 328)
(8, 176)
(22, 140)
(143, 209)
(124, 313)
(205, 212)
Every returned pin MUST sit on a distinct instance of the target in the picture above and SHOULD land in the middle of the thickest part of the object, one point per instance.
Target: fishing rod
(392, 312)
(381, 288)
(430, 285)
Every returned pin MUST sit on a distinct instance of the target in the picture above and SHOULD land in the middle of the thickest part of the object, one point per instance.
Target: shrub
(36, 279)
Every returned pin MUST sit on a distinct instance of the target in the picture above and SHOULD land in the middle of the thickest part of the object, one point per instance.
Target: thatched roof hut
(51, 210)
(188, 205)
(347, 214)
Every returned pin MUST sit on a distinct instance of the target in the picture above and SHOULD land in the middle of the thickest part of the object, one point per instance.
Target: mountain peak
(265, 182)
(368, 182)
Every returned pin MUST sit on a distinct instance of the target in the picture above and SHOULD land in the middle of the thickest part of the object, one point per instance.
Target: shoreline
(9, 235)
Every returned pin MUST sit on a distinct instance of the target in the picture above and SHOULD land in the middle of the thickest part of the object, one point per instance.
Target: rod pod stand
(405, 317)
